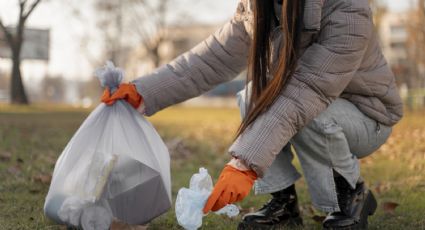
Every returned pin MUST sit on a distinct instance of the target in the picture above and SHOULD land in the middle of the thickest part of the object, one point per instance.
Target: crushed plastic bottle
(190, 201)
(230, 210)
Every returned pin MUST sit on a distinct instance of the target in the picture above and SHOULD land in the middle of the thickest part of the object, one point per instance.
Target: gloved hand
(232, 186)
(125, 91)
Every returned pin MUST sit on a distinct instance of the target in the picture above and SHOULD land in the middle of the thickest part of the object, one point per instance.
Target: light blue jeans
(334, 140)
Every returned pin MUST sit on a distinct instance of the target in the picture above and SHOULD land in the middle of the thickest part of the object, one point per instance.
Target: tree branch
(21, 8)
(7, 34)
(22, 2)
(30, 10)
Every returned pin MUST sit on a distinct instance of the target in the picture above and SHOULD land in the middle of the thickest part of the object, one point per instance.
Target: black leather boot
(356, 206)
(281, 210)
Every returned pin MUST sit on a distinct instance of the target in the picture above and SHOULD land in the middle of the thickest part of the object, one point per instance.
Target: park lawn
(31, 138)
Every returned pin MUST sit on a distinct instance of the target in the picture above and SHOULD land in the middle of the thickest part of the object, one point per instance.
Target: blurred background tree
(132, 20)
(140, 35)
(416, 45)
(125, 25)
(379, 9)
(15, 39)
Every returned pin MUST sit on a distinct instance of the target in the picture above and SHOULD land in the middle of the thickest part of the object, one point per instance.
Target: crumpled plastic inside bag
(190, 201)
(88, 215)
(96, 217)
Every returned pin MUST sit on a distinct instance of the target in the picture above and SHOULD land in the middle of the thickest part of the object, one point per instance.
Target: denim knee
(321, 125)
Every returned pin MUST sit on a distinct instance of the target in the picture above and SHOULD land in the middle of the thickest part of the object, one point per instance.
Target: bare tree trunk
(17, 90)
(156, 59)
(18, 95)
(15, 41)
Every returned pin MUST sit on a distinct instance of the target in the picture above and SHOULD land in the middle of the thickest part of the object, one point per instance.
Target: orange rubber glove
(125, 91)
(232, 186)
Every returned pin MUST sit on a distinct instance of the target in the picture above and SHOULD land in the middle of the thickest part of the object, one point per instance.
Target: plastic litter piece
(190, 201)
(230, 210)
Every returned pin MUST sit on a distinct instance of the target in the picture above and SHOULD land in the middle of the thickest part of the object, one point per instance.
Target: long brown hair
(265, 91)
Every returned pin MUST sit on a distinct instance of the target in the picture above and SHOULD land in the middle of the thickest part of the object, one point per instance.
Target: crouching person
(319, 82)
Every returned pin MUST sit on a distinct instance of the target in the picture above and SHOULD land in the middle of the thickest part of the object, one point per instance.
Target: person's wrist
(238, 164)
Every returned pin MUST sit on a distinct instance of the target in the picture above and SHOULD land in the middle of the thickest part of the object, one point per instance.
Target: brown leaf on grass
(382, 187)
(311, 209)
(5, 156)
(48, 158)
(421, 186)
(366, 161)
(389, 207)
(43, 178)
(318, 219)
(307, 210)
(14, 170)
(145, 227)
(51, 160)
(117, 225)
(35, 191)
(378, 188)
(243, 211)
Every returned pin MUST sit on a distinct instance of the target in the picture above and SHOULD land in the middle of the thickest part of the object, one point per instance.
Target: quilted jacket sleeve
(219, 58)
(323, 71)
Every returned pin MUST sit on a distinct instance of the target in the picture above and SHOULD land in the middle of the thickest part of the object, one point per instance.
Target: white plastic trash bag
(190, 201)
(115, 166)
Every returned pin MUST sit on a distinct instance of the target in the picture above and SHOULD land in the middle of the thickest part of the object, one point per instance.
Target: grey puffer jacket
(340, 57)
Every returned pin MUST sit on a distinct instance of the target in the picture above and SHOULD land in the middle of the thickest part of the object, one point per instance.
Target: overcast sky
(66, 58)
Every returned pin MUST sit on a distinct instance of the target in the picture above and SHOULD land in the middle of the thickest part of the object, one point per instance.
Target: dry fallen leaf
(35, 191)
(20, 160)
(117, 225)
(389, 207)
(43, 178)
(311, 209)
(318, 219)
(5, 156)
(51, 160)
(243, 211)
(378, 188)
(14, 170)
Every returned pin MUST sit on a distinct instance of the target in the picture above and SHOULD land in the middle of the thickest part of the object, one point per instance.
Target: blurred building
(393, 35)
(399, 41)
(4, 85)
(4, 96)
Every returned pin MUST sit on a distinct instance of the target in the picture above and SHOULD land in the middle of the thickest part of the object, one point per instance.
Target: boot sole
(292, 222)
(368, 209)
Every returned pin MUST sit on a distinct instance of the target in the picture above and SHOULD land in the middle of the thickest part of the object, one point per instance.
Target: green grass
(34, 136)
